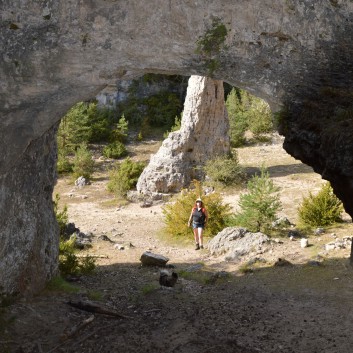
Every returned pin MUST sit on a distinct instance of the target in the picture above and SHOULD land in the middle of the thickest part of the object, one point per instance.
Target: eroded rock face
(203, 135)
(295, 54)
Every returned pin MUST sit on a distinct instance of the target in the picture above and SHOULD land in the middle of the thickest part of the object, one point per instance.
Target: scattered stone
(281, 222)
(343, 243)
(81, 182)
(146, 204)
(304, 243)
(319, 231)
(105, 238)
(151, 259)
(278, 241)
(123, 246)
(330, 246)
(82, 240)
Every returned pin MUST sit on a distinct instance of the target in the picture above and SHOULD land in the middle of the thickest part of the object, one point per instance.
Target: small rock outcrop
(234, 242)
(203, 135)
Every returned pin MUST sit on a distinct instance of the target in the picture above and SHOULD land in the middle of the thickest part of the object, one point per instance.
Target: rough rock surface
(295, 54)
(234, 242)
(203, 135)
(151, 259)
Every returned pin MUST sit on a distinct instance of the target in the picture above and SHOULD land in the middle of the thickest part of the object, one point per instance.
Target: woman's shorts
(197, 225)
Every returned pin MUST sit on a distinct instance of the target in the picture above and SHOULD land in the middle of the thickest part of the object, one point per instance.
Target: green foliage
(259, 206)
(211, 43)
(59, 284)
(175, 127)
(74, 128)
(225, 170)
(121, 129)
(62, 217)
(154, 110)
(247, 112)
(162, 108)
(124, 176)
(115, 150)
(83, 162)
(322, 209)
(63, 164)
(69, 263)
(176, 215)
(84, 123)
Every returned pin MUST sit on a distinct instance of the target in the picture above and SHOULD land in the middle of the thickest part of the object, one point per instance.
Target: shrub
(83, 162)
(115, 150)
(176, 214)
(259, 206)
(69, 263)
(225, 170)
(63, 164)
(123, 177)
(84, 123)
(247, 112)
(121, 129)
(322, 209)
(62, 217)
(175, 127)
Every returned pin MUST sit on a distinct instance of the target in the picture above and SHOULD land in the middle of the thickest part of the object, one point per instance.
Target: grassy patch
(58, 284)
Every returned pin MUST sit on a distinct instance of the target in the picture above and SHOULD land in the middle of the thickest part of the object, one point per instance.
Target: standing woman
(199, 217)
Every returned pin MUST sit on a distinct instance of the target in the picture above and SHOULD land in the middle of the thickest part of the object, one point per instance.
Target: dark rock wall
(29, 232)
(295, 54)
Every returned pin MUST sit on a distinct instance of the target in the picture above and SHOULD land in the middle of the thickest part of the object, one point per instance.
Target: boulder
(151, 259)
(235, 242)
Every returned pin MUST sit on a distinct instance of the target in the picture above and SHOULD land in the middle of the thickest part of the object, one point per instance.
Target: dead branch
(74, 330)
(93, 256)
(93, 308)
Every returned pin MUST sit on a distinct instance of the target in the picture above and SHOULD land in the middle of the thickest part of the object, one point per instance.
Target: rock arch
(296, 55)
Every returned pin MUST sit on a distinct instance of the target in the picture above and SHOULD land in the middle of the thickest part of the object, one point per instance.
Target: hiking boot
(201, 246)
(197, 247)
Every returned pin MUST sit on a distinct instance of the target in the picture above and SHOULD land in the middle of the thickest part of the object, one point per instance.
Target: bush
(321, 210)
(62, 217)
(259, 206)
(120, 131)
(176, 215)
(175, 127)
(69, 263)
(225, 170)
(123, 177)
(247, 112)
(84, 123)
(115, 150)
(63, 164)
(83, 162)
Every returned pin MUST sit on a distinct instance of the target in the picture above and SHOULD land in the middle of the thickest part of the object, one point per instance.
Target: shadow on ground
(290, 308)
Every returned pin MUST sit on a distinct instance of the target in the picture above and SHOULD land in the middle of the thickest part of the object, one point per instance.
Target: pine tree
(260, 205)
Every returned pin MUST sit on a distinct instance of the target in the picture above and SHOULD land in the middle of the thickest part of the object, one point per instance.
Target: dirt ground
(216, 306)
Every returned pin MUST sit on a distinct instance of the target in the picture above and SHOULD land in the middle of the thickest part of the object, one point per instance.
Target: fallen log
(93, 308)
